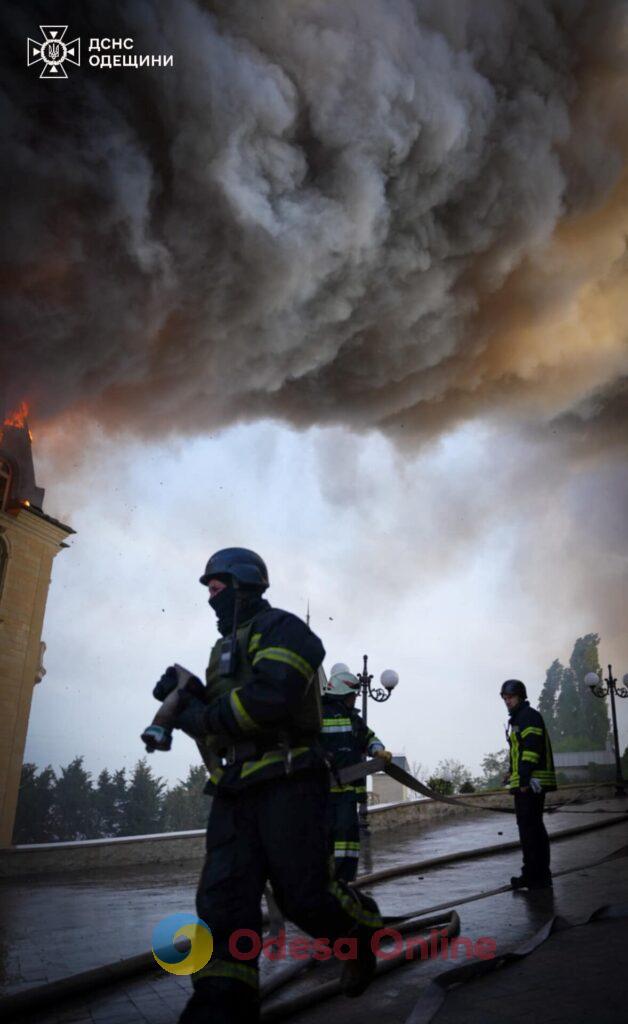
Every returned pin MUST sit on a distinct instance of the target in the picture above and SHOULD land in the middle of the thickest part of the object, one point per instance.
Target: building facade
(29, 541)
(389, 791)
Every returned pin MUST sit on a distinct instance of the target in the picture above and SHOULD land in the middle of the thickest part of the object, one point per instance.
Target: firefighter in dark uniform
(346, 739)
(531, 776)
(259, 721)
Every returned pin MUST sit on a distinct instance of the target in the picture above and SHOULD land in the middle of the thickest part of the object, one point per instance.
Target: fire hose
(379, 764)
(49, 994)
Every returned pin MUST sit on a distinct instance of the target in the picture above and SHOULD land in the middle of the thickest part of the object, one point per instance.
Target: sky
(344, 283)
(419, 562)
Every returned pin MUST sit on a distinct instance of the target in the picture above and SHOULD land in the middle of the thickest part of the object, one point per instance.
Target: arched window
(5, 484)
(4, 558)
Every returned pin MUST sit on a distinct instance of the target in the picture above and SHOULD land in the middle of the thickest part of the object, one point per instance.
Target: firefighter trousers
(275, 830)
(535, 844)
(344, 830)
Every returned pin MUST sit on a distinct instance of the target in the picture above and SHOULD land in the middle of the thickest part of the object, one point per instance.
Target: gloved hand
(191, 716)
(384, 754)
(168, 682)
(535, 785)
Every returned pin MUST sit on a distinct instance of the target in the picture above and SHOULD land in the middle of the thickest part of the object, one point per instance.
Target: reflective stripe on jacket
(346, 738)
(270, 697)
(530, 749)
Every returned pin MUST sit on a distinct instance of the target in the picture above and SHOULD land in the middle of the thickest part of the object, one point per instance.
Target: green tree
(549, 694)
(568, 708)
(442, 786)
(494, 768)
(33, 819)
(73, 808)
(593, 723)
(186, 806)
(109, 800)
(453, 771)
(143, 802)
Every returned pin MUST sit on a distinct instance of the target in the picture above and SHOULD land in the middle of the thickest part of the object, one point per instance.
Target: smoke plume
(399, 214)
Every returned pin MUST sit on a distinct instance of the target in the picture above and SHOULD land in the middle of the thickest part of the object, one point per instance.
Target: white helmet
(339, 667)
(342, 682)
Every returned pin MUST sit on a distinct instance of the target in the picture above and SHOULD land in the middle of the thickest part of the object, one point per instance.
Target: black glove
(191, 716)
(168, 682)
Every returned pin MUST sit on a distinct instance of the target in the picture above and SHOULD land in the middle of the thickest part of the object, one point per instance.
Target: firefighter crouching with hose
(259, 718)
(346, 739)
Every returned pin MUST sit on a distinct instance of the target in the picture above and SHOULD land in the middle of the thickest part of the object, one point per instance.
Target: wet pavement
(54, 927)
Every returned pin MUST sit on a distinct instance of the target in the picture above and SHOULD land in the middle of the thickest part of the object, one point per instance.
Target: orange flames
(18, 418)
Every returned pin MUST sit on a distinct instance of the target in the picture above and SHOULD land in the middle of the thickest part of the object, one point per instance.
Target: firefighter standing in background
(260, 719)
(346, 739)
(531, 776)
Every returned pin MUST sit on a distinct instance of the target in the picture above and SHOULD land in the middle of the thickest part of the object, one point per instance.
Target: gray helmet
(245, 567)
(514, 688)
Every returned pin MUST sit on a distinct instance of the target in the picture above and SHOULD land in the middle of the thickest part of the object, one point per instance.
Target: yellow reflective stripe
(336, 721)
(227, 969)
(348, 789)
(216, 775)
(341, 844)
(270, 757)
(242, 716)
(531, 729)
(355, 909)
(287, 657)
(254, 642)
(530, 755)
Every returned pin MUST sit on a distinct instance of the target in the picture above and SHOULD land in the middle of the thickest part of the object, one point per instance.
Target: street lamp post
(594, 683)
(388, 679)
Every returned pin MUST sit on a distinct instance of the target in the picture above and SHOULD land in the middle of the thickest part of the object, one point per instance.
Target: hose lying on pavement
(480, 851)
(434, 999)
(433, 996)
(616, 855)
(122, 970)
(286, 1008)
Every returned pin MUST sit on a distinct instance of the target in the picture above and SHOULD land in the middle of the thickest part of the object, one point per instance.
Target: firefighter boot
(358, 974)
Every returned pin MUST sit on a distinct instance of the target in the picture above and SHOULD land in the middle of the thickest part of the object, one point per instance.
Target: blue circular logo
(173, 952)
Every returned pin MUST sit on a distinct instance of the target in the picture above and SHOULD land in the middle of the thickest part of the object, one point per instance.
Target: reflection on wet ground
(53, 927)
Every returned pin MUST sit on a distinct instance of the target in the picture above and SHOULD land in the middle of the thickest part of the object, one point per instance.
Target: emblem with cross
(53, 51)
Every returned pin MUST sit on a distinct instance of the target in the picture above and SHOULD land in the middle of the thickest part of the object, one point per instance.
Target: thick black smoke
(393, 213)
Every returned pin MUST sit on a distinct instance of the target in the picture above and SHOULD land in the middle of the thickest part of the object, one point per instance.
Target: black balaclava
(249, 603)
(513, 712)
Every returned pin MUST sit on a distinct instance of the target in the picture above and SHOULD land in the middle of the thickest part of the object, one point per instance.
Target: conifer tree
(549, 695)
(33, 819)
(73, 810)
(143, 802)
(593, 723)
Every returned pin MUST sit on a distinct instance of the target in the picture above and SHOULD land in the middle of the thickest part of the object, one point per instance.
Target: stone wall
(31, 542)
(171, 847)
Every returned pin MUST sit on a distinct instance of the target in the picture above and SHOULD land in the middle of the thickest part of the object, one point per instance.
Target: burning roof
(16, 450)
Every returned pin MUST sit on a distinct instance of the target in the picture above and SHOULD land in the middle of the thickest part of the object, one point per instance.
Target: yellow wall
(32, 543)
